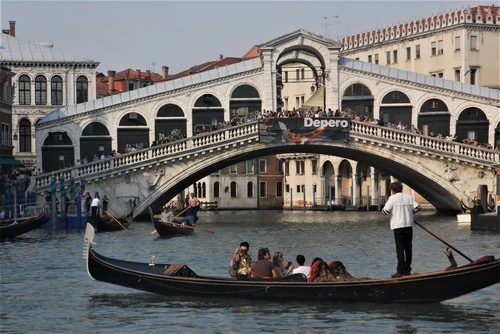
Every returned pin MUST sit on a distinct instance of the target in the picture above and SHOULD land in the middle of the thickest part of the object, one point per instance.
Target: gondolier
(94, 207)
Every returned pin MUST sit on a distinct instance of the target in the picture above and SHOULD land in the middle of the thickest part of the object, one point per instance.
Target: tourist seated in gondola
(264, 268)
(302, 269)
(334, 271)
(241, 262)
(169, 214)
(278, 259)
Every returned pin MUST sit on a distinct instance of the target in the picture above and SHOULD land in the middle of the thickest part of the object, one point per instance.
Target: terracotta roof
(254, 52)
(136, 75)
(209, 65)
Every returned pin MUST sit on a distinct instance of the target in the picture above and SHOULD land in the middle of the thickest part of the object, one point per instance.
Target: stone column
(355, 189)
(269, 94)
(338, 189)
(332, 82)
(373, 186)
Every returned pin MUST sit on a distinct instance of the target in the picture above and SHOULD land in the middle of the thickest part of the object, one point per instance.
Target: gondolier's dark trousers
(403, 237)
(93, 218)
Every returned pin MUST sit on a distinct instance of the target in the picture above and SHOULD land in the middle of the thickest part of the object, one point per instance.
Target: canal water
(45, 287)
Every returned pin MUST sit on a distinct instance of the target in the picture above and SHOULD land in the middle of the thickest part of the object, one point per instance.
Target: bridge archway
(57, 151)
(472, 124)
(245, 102)
(434, 116)
(328, 173)
(345, 182)
(95, 140)
(358, 97)
(396, 107)
(207, 113)
(133, 132)
(170, 124)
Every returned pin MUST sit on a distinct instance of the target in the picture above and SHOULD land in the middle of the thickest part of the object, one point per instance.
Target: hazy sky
(179, 34)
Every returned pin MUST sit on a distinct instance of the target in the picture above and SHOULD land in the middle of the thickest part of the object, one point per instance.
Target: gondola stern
(88, 242)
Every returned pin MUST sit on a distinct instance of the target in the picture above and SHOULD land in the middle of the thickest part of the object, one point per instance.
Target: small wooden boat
(169, 229)
(12, 229)
(107, 223)
(179, 279)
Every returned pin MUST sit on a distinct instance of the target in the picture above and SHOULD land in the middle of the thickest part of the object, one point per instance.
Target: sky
(147, 35)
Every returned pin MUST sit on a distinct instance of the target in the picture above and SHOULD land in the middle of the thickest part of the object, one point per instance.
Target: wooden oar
(116, 220)
(177, 215)
(187, 226)
(443, 241)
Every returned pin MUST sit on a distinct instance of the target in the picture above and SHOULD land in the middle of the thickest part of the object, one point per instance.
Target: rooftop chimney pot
(12, 28)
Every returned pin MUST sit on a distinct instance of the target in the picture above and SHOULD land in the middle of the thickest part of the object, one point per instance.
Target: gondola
(106, 223)
(12, 229)
(170, 229)
(179, 279)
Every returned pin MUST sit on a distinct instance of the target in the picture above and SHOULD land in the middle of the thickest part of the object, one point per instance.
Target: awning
(317, 100)
(9, 161)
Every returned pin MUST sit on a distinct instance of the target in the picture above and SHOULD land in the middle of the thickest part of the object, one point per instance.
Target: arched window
(40, 90)
(82, 89)
(24, 136)
(233, 189)
(56, 91)
(250, 189)
(216, 189)
(24, 90)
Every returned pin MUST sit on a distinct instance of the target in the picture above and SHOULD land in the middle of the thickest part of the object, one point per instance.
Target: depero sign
(326, 123)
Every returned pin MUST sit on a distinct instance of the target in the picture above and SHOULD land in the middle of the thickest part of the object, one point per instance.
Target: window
(376, 58)
(280, 167)
(24, 136)
(250, 189)
(297, 102)
(262, 189)
(56, 91)
(314, 166)
(440, 74)
(302, 99)
(440, 47)
(457, 43)
(473, 72)
(131, 86)
(433, 48)
(395, 56)
(216, 189)
(287, 168)
(298, 188)
(417, 52)
(473, 42)
(279, 189)
(370, 58)
(388, 57)
(233, 169)
(297, 74)
(249, 165)
(233, 189)
(286, 76)
(287, 188)
(82, 88)
(40, 90)
(408, 53)
(302, 73)
(299, 167)
(262, 166)
(24, 90)
(5, 135)
(457, 75)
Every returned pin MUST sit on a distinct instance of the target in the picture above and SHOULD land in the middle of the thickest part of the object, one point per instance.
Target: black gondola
(12, 229)
(107, 223)
(170, 229)
(178, 279)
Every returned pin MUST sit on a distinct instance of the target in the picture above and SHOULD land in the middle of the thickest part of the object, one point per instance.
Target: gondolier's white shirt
(401, 206)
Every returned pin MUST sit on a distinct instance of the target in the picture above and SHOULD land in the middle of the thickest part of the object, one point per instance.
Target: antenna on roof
(328, 24)
(152, 68)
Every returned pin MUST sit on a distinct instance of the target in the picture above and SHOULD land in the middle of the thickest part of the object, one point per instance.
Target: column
(269, 94)
(355, 189)
(338, 189)
(332, 82)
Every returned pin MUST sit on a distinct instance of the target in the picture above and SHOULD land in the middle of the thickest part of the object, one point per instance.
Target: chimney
(148, 74)
(164, 70)
(221, 57)
(138, 73)
(12, 28)
(111, 81)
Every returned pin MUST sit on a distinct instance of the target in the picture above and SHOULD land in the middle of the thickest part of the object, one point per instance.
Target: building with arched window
(44, 79)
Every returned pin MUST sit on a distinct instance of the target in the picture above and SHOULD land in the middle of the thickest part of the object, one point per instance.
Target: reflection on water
(44, 281)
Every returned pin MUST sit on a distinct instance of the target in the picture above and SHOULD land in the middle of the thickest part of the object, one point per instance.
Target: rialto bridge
(238, 93)
(440, 170)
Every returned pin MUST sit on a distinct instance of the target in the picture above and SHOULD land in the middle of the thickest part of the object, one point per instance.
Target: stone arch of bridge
(423, 180)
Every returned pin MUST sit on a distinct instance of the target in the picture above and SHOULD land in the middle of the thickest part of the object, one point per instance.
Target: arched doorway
(359, 99)
(207, 113)
(472, 124)
(497, 138)
(346, 191)
(396, 107)
(170, 124)
(132, 132)
(434, 117)
(57, 152)
(25, 135)
(95, 140)
(328, 173)
(245, 103)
